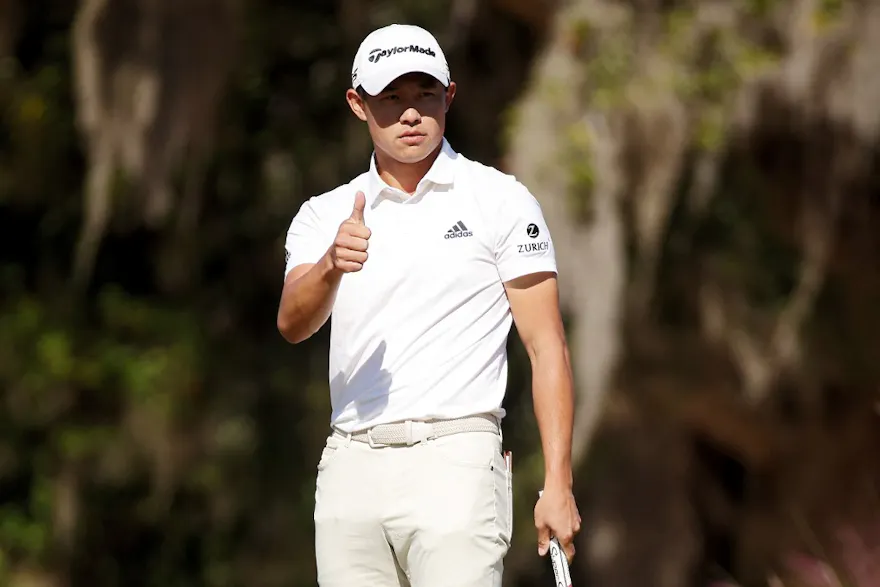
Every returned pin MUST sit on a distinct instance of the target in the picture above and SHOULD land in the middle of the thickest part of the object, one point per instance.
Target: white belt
(410, 432)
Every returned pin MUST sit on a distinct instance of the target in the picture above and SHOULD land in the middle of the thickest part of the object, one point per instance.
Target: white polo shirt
(421, 331)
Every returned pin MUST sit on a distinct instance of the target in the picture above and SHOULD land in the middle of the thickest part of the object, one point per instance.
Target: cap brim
(380, 80)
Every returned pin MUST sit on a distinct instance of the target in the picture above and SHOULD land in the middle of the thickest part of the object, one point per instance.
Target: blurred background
(708, 169)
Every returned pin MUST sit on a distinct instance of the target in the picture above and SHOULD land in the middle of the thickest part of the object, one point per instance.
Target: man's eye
(391, 97)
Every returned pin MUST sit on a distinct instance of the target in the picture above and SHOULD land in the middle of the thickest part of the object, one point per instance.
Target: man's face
(408, 118)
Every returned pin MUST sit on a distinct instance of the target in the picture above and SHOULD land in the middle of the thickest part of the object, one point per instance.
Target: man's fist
(557, 515)
(349, 250)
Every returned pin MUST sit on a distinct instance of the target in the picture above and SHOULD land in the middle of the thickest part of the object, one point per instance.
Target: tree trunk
(639, 128)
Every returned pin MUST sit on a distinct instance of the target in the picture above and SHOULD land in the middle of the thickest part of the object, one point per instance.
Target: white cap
(394, 50)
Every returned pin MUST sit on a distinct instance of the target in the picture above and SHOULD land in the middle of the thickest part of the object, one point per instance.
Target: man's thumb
(360, 202)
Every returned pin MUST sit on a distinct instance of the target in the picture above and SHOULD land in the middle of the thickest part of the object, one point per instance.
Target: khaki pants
(433, 514)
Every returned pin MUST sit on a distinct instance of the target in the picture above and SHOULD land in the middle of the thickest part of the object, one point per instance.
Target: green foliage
(578, 159)
(22, 535)
(82, 392)
(177, 434)
(609, 59)
(702, 66)
(760, 8)
(36, 116)
(828, 13)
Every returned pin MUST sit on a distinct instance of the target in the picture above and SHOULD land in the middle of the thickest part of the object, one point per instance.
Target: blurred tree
(149, 77)
(698, 162)
(709, 171)
(156, 430)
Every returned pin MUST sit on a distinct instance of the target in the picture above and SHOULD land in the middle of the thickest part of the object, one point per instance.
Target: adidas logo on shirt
(458, 230)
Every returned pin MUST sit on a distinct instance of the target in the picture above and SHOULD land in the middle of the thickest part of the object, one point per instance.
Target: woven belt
(412, 432)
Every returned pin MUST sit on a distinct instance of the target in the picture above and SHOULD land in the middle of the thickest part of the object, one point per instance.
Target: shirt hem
(527, 268)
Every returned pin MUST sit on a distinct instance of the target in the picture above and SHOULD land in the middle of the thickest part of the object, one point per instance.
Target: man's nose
(410, 116)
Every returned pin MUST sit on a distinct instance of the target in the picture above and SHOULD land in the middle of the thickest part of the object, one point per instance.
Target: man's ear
(356, 103)
(450, 95)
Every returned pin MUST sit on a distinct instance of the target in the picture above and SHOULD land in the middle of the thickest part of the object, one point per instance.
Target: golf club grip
(558, 560)
(560, 564)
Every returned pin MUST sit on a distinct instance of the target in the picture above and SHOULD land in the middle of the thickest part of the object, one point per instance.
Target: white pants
(433, 514)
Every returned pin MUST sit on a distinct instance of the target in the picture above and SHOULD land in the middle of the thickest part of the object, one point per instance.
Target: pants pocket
(502, 480)
(471, 450)
(332, 448)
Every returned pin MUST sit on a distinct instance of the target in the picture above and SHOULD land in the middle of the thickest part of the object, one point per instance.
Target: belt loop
(348, 440)
(408, 428)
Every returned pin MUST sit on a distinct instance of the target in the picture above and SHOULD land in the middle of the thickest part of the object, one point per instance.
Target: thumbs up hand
(349, 250)
(357, 213)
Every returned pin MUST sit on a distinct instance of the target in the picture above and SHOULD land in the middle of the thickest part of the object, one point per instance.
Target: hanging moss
(581, 174)
(828, 13)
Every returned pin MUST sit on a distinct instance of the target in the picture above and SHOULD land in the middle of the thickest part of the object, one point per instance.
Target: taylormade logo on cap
(395, 50)
(377, 54)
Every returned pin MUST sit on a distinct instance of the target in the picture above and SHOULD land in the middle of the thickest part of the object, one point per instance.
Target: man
(424, 262)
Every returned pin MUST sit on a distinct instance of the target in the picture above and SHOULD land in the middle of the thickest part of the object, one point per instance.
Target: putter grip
(560, 564)
(558, 560)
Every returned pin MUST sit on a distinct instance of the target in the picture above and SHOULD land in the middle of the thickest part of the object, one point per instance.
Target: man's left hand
(556, 514)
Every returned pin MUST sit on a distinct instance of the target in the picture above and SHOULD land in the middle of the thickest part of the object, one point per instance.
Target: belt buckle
(418, 432)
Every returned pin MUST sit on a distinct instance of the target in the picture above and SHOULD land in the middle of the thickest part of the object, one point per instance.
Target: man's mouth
(412, 138)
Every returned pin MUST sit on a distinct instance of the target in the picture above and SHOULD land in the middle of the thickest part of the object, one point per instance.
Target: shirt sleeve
(524, 244)
(307, 239)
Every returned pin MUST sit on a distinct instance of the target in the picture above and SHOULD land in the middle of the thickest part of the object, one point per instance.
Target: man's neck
(404, 176)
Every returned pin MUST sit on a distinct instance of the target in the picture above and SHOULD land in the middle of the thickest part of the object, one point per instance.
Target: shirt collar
(442, 172)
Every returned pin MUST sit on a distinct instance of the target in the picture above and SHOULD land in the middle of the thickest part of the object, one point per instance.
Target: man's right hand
(349, 251)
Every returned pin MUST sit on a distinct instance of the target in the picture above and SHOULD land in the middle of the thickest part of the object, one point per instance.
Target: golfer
(423, 263)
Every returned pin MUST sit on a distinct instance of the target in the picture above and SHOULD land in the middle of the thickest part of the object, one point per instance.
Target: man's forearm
(306, 302)
(553, 398)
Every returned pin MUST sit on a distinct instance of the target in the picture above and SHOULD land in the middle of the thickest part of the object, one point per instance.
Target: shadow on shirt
(368, 387)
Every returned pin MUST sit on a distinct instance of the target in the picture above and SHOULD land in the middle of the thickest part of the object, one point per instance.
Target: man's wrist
(558, 477)
(329, 272)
